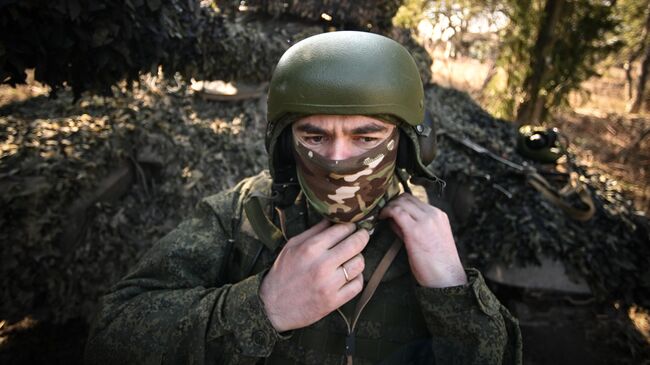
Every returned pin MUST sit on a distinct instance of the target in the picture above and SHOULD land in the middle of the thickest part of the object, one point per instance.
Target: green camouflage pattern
(346, 190)
(193, 299)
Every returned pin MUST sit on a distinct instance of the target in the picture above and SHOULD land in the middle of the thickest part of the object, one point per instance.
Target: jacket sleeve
(468, 324)
(173, 308)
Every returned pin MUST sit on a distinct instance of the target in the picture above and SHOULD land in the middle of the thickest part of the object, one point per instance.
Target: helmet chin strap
(437, 183)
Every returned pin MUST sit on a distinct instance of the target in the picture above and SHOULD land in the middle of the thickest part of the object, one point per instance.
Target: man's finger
(419, 204)
(411, 208)
(391, 209)
(349, 247)
(400, 216)
(353, 267)
(331, 236)
(416, 205)
(350, 290)
(314, 230)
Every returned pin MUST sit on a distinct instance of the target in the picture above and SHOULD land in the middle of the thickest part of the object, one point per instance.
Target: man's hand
(429, 242)
(307, 280)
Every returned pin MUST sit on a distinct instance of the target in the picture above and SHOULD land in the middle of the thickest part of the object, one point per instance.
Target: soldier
(302, 264)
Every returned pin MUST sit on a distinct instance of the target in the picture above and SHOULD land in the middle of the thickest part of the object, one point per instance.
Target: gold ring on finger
(345, 272)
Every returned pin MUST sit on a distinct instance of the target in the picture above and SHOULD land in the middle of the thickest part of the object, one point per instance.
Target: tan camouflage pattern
(192, 300)
(346, 190)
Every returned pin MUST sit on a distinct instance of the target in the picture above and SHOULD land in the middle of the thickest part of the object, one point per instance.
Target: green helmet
(350, 73)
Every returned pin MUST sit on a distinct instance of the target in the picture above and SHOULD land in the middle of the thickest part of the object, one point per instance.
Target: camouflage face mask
(346, 190)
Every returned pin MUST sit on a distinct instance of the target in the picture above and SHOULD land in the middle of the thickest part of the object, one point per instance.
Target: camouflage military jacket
(193, 299)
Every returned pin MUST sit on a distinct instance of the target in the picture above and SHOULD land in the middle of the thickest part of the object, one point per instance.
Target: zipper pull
(349, 345)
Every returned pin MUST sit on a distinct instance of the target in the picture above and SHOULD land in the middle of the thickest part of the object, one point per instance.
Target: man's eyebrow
(369, 128)
(310, 128)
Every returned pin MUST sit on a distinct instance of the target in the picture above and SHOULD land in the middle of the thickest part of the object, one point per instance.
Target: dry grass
(605, 94)
(608, 142)
(604, 136)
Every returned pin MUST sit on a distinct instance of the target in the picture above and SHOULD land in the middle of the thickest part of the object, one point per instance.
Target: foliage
(517, 39)
(184, 148)
(632, 15)
(410, 14)
(583, 37)
(635, 34)
(459, 14)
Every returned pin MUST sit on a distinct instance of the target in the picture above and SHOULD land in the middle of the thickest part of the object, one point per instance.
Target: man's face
(338, 137)
(344, 164)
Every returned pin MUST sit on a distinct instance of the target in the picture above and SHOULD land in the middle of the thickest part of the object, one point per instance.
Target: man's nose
(340, 149)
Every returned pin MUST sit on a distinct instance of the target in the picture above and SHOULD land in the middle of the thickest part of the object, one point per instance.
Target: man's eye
(367, 139)
(313, 139)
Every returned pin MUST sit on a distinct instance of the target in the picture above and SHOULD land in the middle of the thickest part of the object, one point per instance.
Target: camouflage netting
(370, 15)
(241, 49)
(96, 45)
(610, 251)
(64, 242)
(56, 153)
(182, 148)
(91, 47)
(353, 16)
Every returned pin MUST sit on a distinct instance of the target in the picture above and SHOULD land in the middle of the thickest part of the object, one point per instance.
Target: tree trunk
(636, 102)
(530, 111)
(539, 111)
(628, 78)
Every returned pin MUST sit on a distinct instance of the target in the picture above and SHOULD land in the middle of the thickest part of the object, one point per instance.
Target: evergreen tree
(548, 50)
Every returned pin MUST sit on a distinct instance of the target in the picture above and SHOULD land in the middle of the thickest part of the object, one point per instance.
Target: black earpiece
(426, 133)
(284, 149)
(427, 138)
(404, 150)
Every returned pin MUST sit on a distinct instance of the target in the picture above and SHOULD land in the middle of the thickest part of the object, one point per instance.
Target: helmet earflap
(427, 148)
(285, 183)
(285, 148)
(405, 149)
